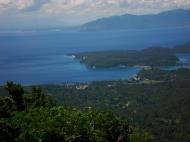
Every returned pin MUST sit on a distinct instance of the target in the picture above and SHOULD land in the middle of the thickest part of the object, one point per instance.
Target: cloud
(94, 7)
(86, 6)
(36, 5)
(9, 5)
(111, 6)
(4, 2)
(85, 10)
(23, 4)
(80, 11)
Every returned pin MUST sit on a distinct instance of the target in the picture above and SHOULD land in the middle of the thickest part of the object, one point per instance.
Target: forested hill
(184, 48)
(154, 56)
(35, 117)
(158, 101)
(174, 18)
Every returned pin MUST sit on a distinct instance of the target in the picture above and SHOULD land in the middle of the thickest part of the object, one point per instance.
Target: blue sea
(41, 57)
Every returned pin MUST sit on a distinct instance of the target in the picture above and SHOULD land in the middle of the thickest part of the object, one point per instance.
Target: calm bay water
(58, 69)
(38, 58)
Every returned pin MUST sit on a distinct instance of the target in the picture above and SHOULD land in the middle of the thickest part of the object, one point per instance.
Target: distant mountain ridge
(173, 18)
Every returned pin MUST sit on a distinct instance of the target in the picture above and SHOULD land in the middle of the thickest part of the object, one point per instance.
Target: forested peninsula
(154, 57)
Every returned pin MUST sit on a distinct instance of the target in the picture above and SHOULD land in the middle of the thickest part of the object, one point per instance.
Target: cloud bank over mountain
(73, 12)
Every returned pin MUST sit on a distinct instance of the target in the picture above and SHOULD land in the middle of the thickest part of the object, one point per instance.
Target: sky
(52, 13)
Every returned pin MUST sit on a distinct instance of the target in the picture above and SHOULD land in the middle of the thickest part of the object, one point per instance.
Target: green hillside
(154, 56)
(34, 117)
(158, 105)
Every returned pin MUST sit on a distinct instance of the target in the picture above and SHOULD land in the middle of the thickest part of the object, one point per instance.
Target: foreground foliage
(40, 119)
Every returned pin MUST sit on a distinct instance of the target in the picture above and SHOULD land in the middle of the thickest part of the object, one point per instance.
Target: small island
(153, 57)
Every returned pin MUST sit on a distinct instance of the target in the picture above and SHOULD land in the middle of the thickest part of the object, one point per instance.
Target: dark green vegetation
(35, 117)
(174, 18)
(151, 107)
(157, 101)
(185, 48)
(164, 75)
(155, 56)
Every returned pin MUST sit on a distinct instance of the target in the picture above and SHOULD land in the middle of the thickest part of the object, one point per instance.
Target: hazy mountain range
(173, 18)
